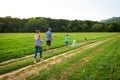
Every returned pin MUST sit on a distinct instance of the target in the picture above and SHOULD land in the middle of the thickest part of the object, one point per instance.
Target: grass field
(99, 63)
(15, 45)
(16, 64)
(88, 65)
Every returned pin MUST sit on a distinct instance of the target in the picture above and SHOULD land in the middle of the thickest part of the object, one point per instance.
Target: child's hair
(37, 31)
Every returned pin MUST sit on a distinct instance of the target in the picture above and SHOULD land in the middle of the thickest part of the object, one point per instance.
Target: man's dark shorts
(48, 43)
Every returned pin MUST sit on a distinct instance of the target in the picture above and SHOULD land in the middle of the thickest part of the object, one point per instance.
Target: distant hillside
(113, 19)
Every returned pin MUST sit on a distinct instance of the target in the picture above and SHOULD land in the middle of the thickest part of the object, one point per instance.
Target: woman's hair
(37, 31)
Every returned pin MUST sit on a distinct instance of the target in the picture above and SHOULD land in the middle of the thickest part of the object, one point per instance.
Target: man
(48, 39)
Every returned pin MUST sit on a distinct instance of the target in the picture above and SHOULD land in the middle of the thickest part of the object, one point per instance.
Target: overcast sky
(61, 9)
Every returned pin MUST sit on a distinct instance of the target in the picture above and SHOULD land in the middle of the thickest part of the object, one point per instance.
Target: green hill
(113, 19)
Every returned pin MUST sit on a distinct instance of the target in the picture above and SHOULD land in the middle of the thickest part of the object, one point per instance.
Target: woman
(38, 45)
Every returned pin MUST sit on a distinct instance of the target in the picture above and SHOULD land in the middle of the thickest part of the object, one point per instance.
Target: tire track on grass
(23, 73)
(18, 59)
(14, 61)
(81, 62)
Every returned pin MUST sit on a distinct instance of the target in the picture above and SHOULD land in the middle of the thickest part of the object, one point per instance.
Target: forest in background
(9, 24)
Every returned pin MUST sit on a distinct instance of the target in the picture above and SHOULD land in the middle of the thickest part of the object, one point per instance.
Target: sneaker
(41, 59)
(35, 62)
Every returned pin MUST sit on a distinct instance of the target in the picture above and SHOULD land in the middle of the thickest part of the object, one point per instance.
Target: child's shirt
(66, 38)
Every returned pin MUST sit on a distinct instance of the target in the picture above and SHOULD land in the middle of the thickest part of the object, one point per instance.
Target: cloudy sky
(61, 9)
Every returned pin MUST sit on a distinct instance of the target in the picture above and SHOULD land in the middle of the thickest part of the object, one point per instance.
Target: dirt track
(25, 72)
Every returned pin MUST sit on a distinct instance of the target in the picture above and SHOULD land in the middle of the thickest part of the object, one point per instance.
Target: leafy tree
(112, 27)
(9, 24)
(98, 27)
(85, 27)
(1, 25)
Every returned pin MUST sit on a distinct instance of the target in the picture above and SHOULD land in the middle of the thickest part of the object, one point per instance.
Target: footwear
(47, 51)
(41, 59)
(35, 62)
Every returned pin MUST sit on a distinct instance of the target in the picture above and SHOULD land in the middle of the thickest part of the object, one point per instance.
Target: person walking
(48, 39)
(66, 40)
(38, 45)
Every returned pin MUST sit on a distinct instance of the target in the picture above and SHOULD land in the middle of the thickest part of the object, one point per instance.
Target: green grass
(16, 45)
(4, 68)
(103, 64)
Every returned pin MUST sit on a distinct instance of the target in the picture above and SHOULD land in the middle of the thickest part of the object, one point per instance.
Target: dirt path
(22, 59)
(31, 56)
(81, 62)
(25, 72)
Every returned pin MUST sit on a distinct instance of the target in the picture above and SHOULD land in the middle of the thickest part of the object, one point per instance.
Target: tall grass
(7, 67)
(15, 45)
(103, 64)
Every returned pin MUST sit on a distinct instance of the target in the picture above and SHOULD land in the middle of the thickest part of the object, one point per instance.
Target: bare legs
(48, 49)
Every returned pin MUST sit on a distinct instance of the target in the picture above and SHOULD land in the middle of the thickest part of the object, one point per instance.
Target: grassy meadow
(15, 45)
(88, 65)
(98, 63)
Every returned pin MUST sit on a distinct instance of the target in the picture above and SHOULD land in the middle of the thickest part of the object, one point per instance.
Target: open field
(16, 56)
(15, 45)
(98, 63)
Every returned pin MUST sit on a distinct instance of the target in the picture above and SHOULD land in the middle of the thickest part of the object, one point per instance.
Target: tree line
(9, 24)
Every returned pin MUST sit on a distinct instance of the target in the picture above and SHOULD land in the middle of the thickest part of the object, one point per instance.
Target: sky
(61, 9)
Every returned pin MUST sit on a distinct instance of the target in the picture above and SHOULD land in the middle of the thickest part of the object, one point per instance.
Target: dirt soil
(23, 73)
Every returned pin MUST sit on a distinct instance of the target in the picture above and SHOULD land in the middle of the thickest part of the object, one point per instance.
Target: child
(66, 40)
(74, 42)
